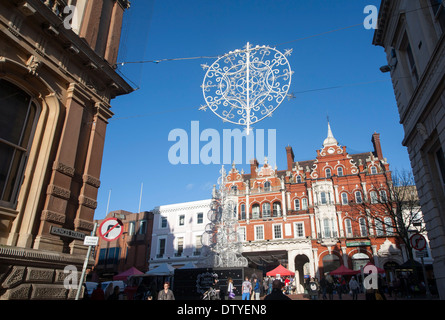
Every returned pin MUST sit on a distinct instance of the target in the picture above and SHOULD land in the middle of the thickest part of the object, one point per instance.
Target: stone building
(57, 79)
(412, 35)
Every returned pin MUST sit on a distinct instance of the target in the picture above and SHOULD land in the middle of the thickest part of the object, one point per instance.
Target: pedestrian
(116, 294)
(166, 293)
(330, 287)
(217, 289)
(277, 293)
(354, 287)
(98, 293)
(246, 289)
(231, 288)
(265, 285)
(269, 285)
(108, 290)
(256, 289)
(312, 288)
(323, 287)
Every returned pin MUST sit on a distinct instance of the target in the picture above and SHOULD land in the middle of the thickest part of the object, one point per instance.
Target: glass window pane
(14, 104)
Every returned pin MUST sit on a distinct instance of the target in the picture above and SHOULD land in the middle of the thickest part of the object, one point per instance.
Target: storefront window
(359, 260)
(330, 263)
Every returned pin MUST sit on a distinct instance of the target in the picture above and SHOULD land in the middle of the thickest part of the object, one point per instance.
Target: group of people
(251, 289)
(329, 285)
(110, 293)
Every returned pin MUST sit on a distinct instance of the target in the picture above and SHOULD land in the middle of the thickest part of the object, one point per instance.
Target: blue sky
(169, 93)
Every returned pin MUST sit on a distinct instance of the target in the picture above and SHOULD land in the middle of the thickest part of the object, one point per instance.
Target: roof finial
(330, 140)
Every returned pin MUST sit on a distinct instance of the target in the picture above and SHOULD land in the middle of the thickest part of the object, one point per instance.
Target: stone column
(83, 221)
(59, 189)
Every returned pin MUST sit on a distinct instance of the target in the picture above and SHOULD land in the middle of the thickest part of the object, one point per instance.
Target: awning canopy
(280, 270)
(379, 270)
(124, 275)
(163, 270)
(343, 271)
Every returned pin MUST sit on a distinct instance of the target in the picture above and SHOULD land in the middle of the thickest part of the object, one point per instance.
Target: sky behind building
(336, 74)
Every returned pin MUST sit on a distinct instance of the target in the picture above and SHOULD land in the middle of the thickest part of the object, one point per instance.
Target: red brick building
(131, 249)
(307, 216)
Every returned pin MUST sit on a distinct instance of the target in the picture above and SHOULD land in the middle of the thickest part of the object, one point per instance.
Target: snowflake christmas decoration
(245, 86)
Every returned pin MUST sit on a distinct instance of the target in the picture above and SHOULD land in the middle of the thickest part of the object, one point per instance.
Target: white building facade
(177, 233)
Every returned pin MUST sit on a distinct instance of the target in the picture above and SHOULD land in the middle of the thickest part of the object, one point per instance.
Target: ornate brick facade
(308, 216)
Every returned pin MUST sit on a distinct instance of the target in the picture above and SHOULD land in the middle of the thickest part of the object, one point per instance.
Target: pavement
(361, 296)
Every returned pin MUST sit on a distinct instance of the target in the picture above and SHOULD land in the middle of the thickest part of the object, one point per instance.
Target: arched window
(255, 211)
(266, 210)
(379, 231)
(267, 186)
(388, 226)
(304, 204)
(340, 171)
(299, 179)
(373, 170)
(328, 173)
(330, 263)
(363, 229)
(383, 196)
(348, 225)
(358, 197)
(344, 198)
(297, 204)
(374, 197)
(243, 211)
(277, 209)
(18, 117)
(234, 190)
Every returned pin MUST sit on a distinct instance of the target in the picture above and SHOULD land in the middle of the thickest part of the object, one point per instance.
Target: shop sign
(363, 243)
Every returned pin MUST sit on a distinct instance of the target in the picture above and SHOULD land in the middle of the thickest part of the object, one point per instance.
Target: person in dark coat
(276, 293)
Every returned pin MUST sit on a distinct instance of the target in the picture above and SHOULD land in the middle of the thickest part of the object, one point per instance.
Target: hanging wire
(276, 45)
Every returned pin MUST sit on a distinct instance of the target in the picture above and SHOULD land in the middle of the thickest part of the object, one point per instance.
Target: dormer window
(373, 170)
(340, 171)
(267, 186)
(328, 173)
(298, 179)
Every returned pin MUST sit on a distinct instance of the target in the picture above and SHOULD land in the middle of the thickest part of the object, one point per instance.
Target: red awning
(343, 271)
(379, 270)
(282, 271)
(124, 275)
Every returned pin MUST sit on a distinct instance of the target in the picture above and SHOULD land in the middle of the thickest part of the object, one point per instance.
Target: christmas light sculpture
(244, 87)
(221, 244)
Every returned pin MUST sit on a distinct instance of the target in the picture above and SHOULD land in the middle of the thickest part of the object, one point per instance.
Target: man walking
(246, 289)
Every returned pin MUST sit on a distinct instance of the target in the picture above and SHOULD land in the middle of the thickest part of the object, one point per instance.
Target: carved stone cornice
(85, 225)
(52, 216)
(90, 180)
(63, 168)
(58, 192)
(87, 202)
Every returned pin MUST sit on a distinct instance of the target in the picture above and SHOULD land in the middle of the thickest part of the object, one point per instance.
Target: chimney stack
(377, 146)
(290, 158)
(253, 167)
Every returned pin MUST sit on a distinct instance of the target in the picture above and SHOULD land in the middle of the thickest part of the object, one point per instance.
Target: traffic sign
(418, 242)
(111, 229)
(91, 241)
